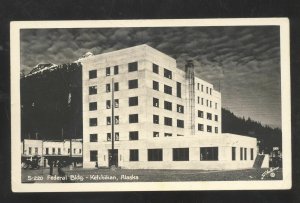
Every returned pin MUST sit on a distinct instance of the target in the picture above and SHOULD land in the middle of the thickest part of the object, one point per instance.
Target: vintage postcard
(150, 105)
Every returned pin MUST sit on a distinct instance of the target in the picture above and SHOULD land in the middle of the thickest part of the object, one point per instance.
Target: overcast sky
(245, 61)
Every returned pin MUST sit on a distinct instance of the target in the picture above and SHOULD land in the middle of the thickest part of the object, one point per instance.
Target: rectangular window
(69, 150)
(210, 104)
(180, 108)
(108, 121)
(207, 102)
(53, 150)
(200, 114)
(116, 103)
(155, 68)
(108, 136)
(29, 150)
(202, 101)
(216, 105)
(155, 119)
(107, 88)
(167, 89)
(180, 154)
(209, 154)
(209, 129)
(133, 155)
(216, 117)
(168, 105)
(155, 102)
(116, 70)
(93, 106)
(155, 154)
(93, 122)
(74, 151)
(180, 123)
(241, 153)
(36, 150)
(167, 73)
(117, 120)
(133, 101)
(178, 89)
(108, 104)
(245, 153)
(92, 90)
(47, 150)
(168, 121)
(92, 74)
(117, 136)
(155, 134)
(93, 155)
(116, 86)
(233, 153)
(107, 71)
(155, 85)
(210, 91)
(216, 129)
(132, 67)
(168, 134)
(198, 100)
(59, 151)
(202, 88)
(200, 127)
(198, 86)
(132, 84)
(207, 90)
(208, 116)
(133, 118)
(251, 154)
(133, 135)
(93, 137)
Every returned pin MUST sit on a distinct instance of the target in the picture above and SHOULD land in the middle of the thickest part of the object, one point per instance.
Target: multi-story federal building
(164, 117)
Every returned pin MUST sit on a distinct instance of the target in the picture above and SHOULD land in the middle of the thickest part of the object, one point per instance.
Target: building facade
(164, 117)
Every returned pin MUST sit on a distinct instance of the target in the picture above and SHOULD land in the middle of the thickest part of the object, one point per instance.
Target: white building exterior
(165, 118)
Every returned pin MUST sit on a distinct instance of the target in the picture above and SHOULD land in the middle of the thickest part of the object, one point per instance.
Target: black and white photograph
(150, 105)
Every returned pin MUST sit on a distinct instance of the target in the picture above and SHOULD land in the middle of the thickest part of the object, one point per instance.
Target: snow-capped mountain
(42, 67)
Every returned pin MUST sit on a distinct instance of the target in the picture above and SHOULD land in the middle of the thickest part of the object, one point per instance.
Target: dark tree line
(267, 137)
(51, 104)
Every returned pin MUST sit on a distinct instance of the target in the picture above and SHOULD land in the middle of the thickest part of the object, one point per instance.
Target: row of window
(134, 101)
(132, 84)
(131, 67)
(208, 89)
(133, 135)
(53, 150)
(208, 102)
(208, 115)
(208, 128)
(179, 154)
(168, 89)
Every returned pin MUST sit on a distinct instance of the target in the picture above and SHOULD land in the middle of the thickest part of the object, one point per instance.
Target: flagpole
(112, 123)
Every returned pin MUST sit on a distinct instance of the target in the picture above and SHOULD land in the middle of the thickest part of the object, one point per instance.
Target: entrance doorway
(112, 160)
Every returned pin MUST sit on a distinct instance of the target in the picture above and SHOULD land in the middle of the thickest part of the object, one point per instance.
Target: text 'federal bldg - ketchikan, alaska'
(161, 117)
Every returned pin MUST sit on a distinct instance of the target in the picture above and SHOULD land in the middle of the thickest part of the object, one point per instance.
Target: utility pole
(112, 124)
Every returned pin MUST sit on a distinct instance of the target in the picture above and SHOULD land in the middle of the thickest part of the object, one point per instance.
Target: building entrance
(112, 160)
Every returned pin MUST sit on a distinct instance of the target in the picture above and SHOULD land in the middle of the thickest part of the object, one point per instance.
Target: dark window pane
(108, 121)
(178, 89)
(107, 71)
(92, 74)
(155, 134)
(93, 155)
(155, 102)
(133, 84)
(209, 154)
(93, 137)
(108, 104)
(233, 153)
(155, 119)
(200, 127)
(168, 105)
(167, 89)
(168, 121)
(133, 101)
(209, 116)
(132, 67)
(155, 155)
(116, 86)
(134, 155)
(92, 90)
(155, 68)
(133, 118)
(168, 134)
(167, 73)
(180, 108)
(180, 123)
(133, 135)
(93, 122)
(107, 87)
(181, 154)
(155, 85)
(116, 70)
(209, 129)
(200, 114)
(93, 106)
